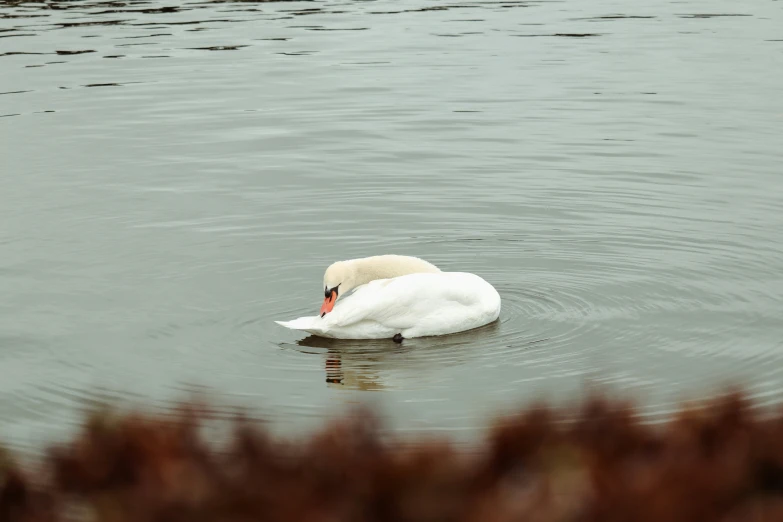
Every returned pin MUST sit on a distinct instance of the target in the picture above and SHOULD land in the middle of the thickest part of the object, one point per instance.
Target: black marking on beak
(330, 295)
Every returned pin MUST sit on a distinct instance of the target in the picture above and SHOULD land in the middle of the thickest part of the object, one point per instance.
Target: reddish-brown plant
(721, 462)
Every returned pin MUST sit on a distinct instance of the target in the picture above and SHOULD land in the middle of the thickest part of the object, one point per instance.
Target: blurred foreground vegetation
(595, 463)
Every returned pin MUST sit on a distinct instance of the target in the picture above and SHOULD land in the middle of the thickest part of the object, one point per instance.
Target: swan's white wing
(378, 309)
(302, 323)
(305, 324)
(384, 301)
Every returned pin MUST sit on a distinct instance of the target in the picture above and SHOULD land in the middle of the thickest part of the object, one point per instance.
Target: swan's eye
(328, 292)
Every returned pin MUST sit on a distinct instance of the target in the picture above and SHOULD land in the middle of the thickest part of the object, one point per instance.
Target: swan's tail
(311, 324)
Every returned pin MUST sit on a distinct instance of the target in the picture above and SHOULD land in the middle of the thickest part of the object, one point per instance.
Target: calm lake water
(177, 175)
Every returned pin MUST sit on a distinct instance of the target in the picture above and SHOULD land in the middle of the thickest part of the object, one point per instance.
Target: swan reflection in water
(375, 364)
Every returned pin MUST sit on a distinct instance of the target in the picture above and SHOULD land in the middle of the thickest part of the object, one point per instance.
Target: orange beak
(328, 303)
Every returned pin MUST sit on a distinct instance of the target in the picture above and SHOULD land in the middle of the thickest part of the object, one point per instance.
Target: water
(176, 176)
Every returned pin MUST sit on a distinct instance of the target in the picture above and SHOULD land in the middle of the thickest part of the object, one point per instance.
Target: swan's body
(399, 296)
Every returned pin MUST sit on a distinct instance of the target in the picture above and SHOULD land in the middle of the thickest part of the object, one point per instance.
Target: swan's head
(339, 278)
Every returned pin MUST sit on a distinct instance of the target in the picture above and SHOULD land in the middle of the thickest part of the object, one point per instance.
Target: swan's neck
(369, 269)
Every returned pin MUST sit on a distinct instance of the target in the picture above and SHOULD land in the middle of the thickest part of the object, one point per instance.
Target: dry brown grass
(721, 462)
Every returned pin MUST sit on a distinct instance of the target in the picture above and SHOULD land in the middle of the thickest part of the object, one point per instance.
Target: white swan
(398, 297)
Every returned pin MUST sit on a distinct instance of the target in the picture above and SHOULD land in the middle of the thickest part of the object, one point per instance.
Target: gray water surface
(177, 175)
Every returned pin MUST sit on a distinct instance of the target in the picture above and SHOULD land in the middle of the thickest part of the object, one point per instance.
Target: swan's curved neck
(368, 269)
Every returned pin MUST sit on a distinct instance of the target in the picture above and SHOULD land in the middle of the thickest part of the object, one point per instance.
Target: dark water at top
(177, 175)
